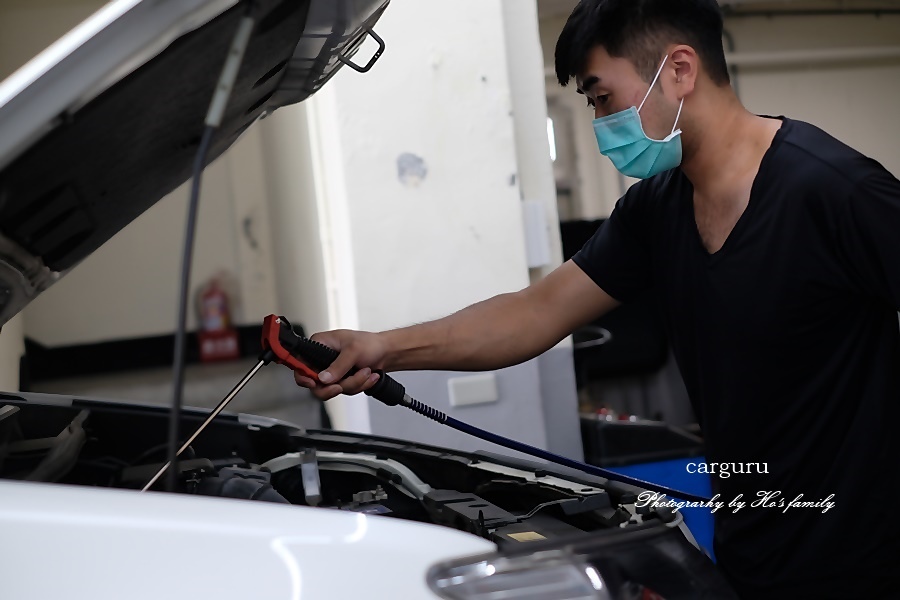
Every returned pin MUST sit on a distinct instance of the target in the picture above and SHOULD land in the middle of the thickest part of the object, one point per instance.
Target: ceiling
(549, 9)
(794, 6)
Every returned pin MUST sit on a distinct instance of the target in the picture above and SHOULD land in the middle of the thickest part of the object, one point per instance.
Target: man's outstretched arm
(505, 330)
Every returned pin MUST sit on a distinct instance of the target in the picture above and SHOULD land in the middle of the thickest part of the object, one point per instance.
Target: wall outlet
(473, 389)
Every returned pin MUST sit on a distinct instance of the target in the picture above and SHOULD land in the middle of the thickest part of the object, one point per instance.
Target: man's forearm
(492, 334)
(506, 330)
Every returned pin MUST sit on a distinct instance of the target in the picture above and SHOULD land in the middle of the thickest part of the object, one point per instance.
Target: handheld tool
(215, 413)
(283, 345)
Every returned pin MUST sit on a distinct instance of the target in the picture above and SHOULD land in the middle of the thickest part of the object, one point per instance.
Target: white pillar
(529, 101)
(310, 228)
(416, 166)
(556, 375)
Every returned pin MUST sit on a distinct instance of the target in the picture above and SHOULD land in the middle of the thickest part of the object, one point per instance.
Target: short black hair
(639, 31)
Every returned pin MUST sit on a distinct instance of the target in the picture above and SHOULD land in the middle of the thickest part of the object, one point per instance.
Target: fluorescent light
(551, 137)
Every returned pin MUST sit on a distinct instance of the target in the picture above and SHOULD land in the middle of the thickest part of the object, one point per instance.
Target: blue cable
(440, 417)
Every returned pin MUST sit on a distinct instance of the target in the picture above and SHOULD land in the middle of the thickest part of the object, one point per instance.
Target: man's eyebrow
(588, 84)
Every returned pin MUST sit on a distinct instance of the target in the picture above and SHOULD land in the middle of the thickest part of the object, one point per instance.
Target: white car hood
(106, 121)
(202, 547)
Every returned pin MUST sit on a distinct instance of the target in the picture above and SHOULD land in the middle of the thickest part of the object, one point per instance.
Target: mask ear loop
(680, 106)
(658, 71)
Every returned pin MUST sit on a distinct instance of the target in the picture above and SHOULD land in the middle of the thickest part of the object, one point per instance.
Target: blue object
(673, 473)
(622, 139)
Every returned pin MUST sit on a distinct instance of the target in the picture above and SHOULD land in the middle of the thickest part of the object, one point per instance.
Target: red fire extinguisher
(214, 308)
(217, 336)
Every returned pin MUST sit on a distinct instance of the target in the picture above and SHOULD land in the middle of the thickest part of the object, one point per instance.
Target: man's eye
(599, 101)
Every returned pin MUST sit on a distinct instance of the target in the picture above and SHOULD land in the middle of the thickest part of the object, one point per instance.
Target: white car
(263, 509)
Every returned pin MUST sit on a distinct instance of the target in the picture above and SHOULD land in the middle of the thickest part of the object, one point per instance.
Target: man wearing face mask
(774, 252)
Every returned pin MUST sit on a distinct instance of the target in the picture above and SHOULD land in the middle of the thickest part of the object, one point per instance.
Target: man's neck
(725, 144)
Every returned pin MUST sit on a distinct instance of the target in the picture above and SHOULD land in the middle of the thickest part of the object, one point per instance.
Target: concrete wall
(425, 192)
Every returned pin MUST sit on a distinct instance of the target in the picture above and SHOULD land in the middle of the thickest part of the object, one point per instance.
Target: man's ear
(684, 66)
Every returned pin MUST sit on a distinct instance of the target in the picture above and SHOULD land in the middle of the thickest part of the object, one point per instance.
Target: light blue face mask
(621, 137)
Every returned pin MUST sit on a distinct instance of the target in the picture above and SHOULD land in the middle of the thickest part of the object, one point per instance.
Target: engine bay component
(55, 456)
(250, 484)
(309, 469)
(467, 511)
(368, 496)
(7, 423)
(505, 500)
(387, 470)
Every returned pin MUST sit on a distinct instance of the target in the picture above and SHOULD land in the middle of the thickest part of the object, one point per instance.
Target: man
(774, 252)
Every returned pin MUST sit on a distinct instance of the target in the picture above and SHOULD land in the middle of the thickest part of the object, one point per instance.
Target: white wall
(11, 349)
(295, 217)
(424, 248)
(596, 183)
(29, 26)
(424, 178)
(525, 61)
(854, 101)
(128, 287)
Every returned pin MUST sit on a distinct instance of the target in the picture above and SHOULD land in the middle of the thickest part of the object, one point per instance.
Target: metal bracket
(601, 336)
(372, 60)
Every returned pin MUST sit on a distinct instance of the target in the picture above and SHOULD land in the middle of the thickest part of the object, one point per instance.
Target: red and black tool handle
(283, 345)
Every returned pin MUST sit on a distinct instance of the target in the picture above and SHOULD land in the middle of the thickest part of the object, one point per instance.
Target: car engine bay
(499, 498)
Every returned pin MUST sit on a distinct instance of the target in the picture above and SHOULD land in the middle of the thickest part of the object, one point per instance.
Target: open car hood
(380, 509)
(106, 121)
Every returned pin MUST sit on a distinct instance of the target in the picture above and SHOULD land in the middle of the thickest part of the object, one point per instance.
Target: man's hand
(363, 350)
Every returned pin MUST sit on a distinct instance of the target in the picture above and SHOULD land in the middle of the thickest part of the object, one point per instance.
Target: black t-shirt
(787, 339)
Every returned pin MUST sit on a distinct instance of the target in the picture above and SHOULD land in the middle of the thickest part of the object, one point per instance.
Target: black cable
(541, 507)
(218, 104)
(183, 299)
(155, 449)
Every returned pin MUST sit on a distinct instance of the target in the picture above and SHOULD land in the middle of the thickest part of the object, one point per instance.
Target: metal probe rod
(212, 415)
